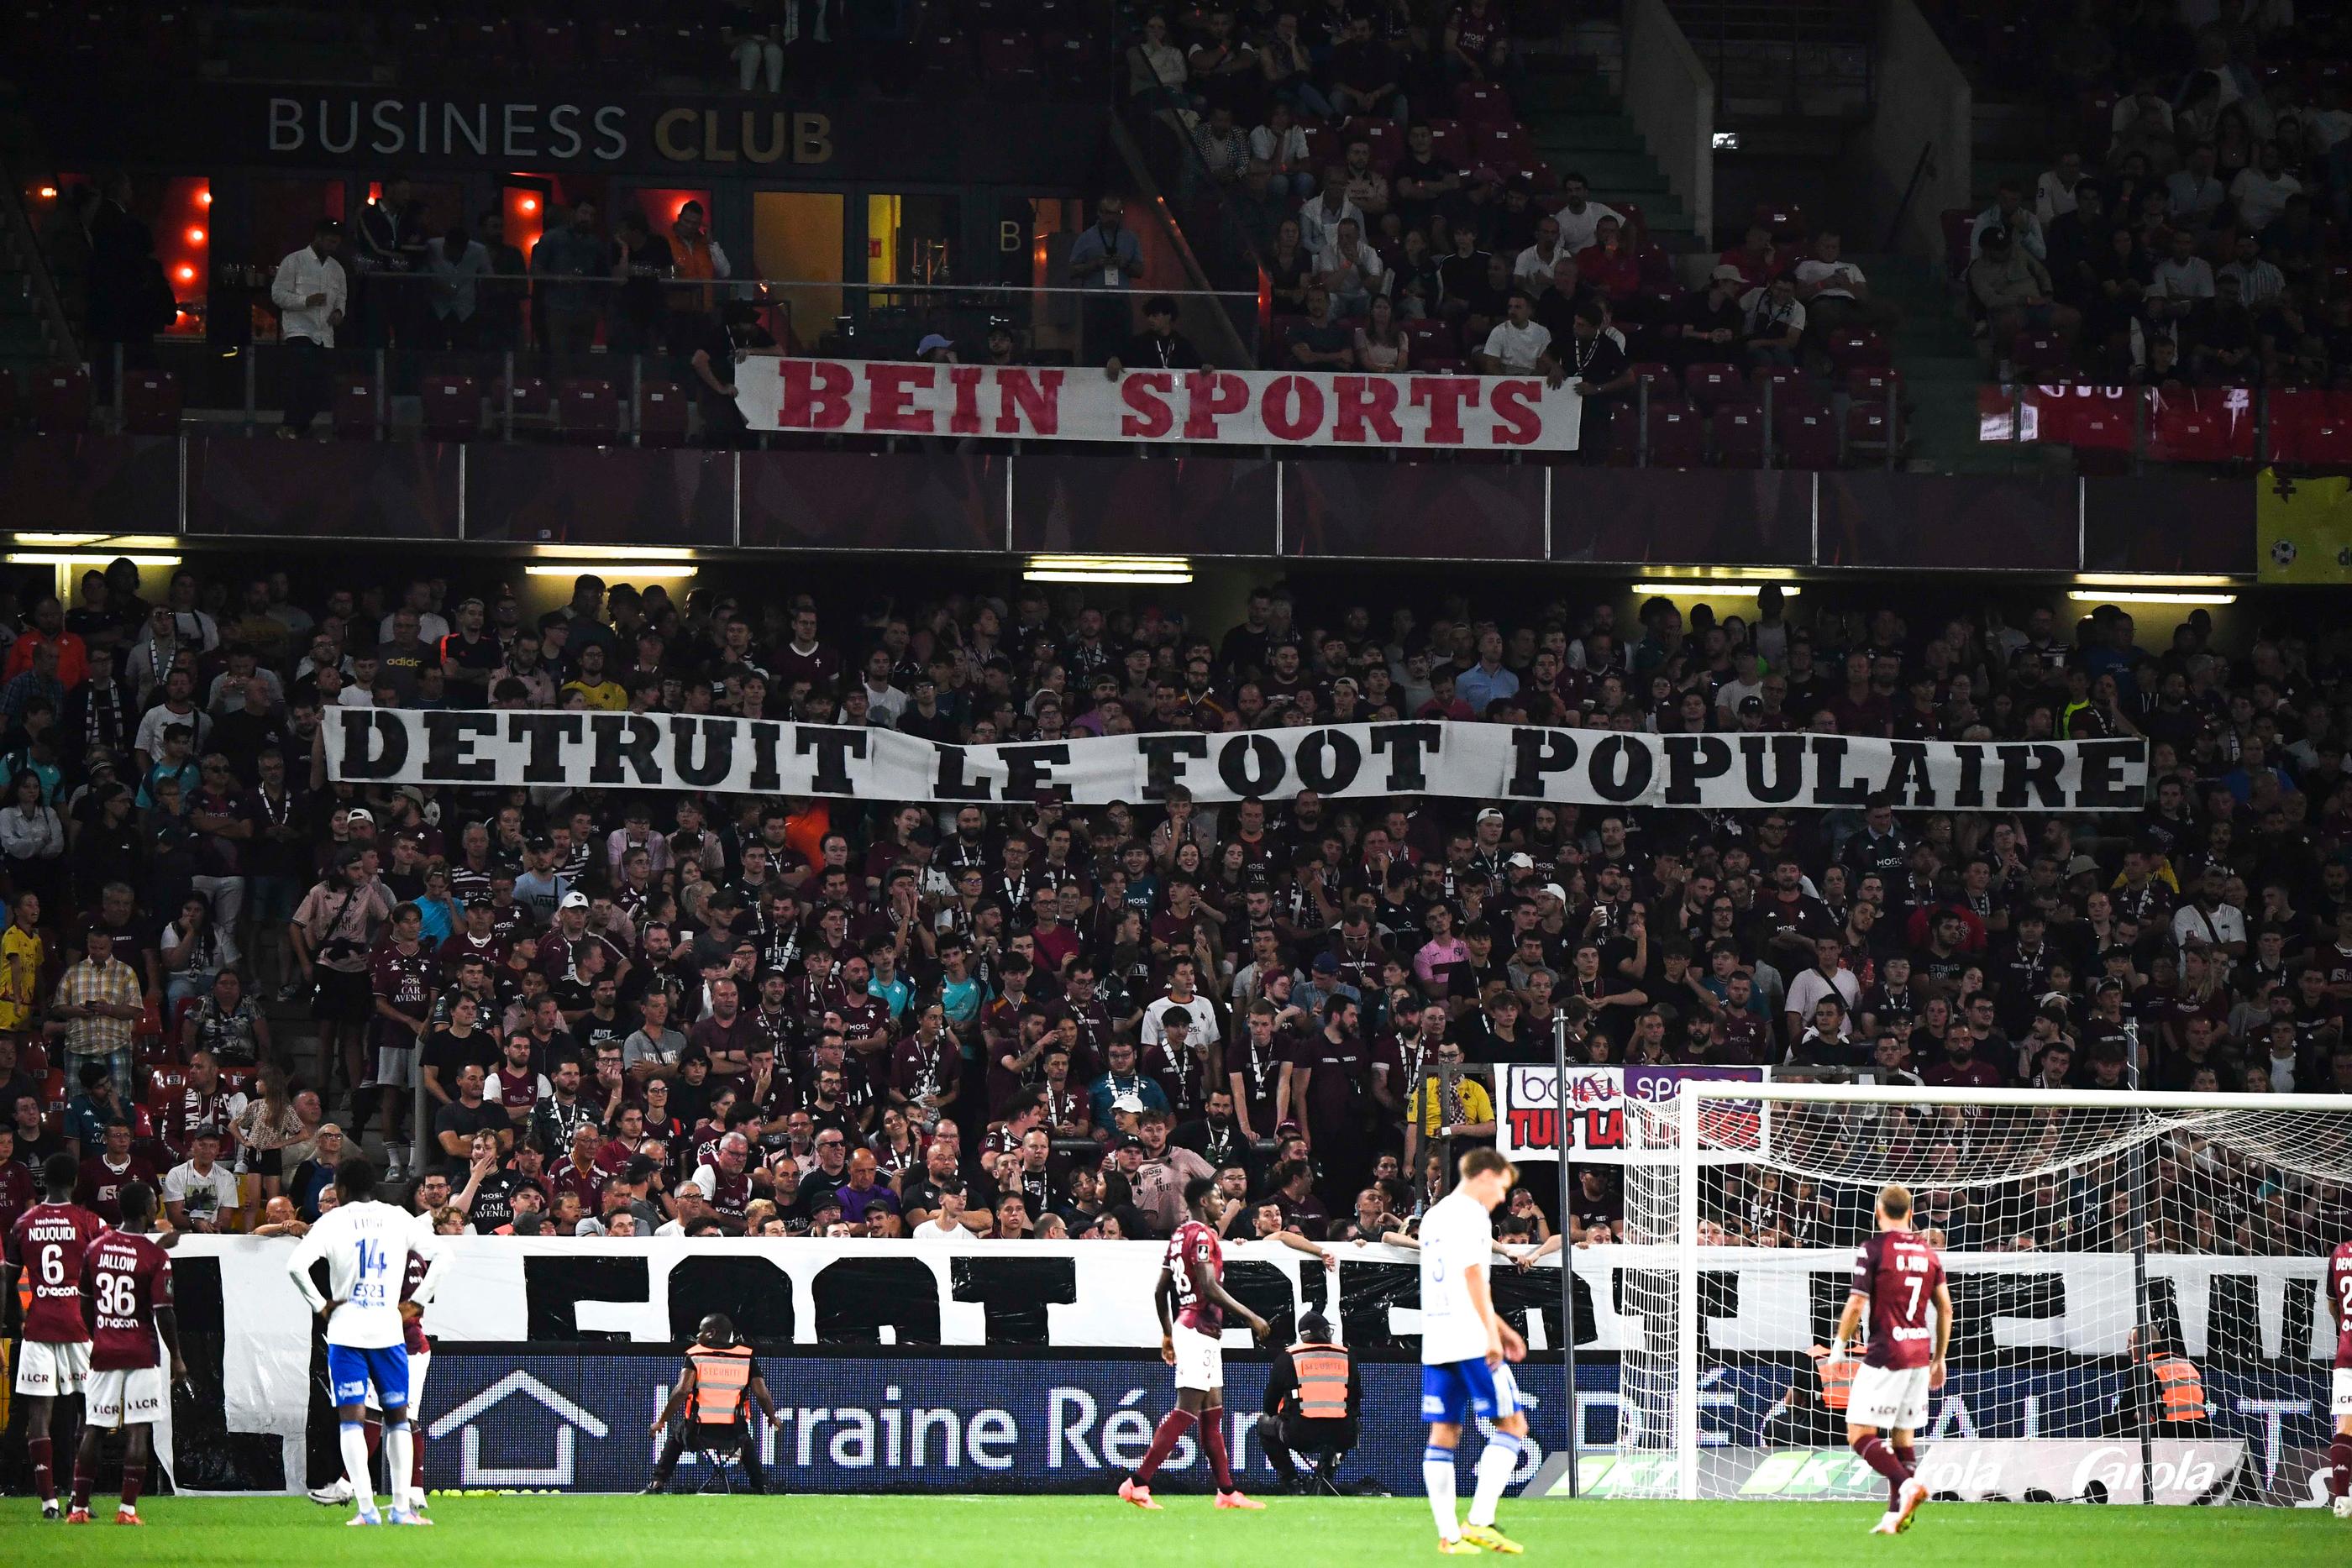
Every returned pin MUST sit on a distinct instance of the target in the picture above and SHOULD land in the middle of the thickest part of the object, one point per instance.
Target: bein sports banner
(1527, 1115)
(1244, 408)
(502, 748)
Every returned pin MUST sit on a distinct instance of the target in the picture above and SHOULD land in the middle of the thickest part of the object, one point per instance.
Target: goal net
(2134, 1278)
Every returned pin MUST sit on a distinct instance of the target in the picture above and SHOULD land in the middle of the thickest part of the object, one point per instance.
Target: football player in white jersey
(1465, 1350)
(366, 1244)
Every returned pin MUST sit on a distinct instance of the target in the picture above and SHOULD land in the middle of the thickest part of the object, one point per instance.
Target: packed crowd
(2190, 231)
(632, 1012)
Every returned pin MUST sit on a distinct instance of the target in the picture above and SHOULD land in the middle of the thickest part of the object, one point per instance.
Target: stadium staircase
(34, 333)
(1579, 123)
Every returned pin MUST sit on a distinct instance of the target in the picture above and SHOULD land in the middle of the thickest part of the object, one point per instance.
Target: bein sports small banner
(1246, 408)
(1476, 761)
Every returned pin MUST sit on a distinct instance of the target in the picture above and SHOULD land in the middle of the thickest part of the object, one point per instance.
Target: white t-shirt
(208, 1193)
(366, 1246)
(1828, 275)
(2261, 197)
(1576, 229)
(1533, 263)
(1810, 987)
(1204, 1020)
(1519, 347)
(1455, 1237)
(2190, 924)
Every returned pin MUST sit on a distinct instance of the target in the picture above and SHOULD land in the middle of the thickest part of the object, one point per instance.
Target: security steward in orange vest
(2173, 1394)
(1314, 1405)
(719, 1383)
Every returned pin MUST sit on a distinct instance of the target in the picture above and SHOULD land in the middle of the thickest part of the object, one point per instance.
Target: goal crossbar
(2014, 1099)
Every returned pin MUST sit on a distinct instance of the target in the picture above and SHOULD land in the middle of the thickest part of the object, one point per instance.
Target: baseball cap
(933, 340)
(575, 899)
(2081, 865)
(1522, 861)
(360, 814)
(1326, 963)
(1131, 1104)
(1554, 889)
(1728, 274)
(1490, 815)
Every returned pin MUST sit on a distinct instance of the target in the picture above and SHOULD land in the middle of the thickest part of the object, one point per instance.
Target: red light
(530, 203)
(206, 197)
(196, 236)
(48, 192)
(187, 275)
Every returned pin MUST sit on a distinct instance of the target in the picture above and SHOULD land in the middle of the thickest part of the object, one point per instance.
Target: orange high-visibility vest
(1837, 1382)
(1322, 1381)
(721, 1378)
(2180, 1389)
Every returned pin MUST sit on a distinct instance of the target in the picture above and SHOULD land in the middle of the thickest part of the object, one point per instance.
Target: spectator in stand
(1321, 342)
(2259, 194)
(1157, 348)
(2178, 287)
(311, 294)
(1837, 296)
(2053, 193)
(1610, 266)
(1351, 272)
(1289, 67)
(1477, 42)
(2013, 218)
(1708, 323)
(1579, 217)
(1222, 66)
(1519, 345)
(1155, 65)
(1772, 322)
(1224, 151)
(1534, 264)
(1381, 344)
(570, 270)
(1756, 259)
(1320, 220)
(1368, 188)
(1281, 145)
(1106, 259)
(2012, 289)
(1366, 77)
(2194, 197)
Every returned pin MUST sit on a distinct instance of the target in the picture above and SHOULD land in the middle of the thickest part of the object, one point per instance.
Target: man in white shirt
(366, 1246)
(1519, 346)
(1835, 293)
(2206, 918)
(1579, 217)
(1535, 264)
(1320, 220)
(947, 1224)
(1828, 977)
(2259, 282)
(199, 1190)
(2260, 192)
(2179, 281)
(2010, 213)
(2053, 194)
(310, 292)
(1465, 1351)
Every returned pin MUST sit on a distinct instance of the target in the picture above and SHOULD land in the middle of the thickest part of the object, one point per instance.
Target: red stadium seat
(1867, 430)
(1482, 103)
(533, 404)
(2039, 355)
(588, 411)
(1877, 382)
(1785, 221)
(452, 408)
(61, 399)
(1809, 438)
(1677, 434)
(1431, 340)
(1665, 386)
(1713, 381)
(1852, 346)
(151, 403)
(1451, 145)
(1789, 386)
(1737, 428)
(661, 414)
(356, 411)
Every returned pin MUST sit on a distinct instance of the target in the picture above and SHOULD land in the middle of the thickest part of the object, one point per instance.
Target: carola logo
(2117, 1467)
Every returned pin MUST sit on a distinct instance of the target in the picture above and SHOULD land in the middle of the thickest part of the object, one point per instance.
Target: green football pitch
(956, 1532)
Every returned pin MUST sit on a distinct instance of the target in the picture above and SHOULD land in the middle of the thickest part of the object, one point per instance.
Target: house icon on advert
(568, 1415)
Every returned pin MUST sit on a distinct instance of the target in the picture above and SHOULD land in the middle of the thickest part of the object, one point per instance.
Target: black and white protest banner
(1246, 408)
(1346, 762)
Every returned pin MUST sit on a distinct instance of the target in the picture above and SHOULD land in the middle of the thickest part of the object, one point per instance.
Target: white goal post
(2093, 1240)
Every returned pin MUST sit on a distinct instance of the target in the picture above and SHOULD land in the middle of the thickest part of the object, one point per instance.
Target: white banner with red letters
(1244, 408)
(1802, 770)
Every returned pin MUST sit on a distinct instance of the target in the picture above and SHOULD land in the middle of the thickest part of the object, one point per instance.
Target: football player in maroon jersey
(126, 1299)
(46, 1248)
(1191, 1282)
(1897, 1278)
